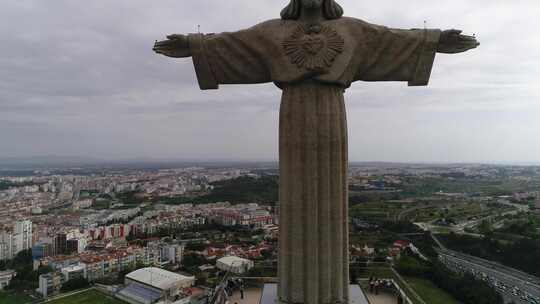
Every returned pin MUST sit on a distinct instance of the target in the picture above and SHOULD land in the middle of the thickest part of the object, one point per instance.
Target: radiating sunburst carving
(314, 48)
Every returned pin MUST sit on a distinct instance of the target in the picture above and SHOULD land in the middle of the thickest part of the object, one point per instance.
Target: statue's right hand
(175, 46)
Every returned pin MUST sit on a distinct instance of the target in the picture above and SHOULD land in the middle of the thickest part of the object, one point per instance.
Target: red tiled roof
(401, 243)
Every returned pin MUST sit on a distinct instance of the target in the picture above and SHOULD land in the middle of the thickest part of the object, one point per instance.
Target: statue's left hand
(175, 46)
(452, 42)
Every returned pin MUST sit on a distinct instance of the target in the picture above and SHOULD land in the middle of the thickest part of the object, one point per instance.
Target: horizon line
(88, 161)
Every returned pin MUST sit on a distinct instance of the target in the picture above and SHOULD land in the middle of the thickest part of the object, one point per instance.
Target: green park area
(375, 211)
(496, 185)
(90, 296)
(6, 298)
(429, 292)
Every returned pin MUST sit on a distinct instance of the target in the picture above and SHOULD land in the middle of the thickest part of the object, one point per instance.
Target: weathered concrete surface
(269, 295)
(251, 296)
(381, 298)
(313, 254)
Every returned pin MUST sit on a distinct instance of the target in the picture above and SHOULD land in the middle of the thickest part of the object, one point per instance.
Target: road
(65, 295)
(519, 207)
(512, 284)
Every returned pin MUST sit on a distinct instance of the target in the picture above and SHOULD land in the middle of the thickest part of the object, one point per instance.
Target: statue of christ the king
(313, 54)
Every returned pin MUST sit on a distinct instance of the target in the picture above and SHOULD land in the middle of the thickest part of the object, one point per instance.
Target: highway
(515, 286)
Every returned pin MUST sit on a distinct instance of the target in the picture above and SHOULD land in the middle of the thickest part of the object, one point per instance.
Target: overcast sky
(79, 78)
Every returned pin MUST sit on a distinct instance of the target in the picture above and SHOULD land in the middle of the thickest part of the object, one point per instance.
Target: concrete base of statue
(269, 295)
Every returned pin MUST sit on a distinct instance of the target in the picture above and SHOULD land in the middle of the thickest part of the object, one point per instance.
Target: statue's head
(330, 8)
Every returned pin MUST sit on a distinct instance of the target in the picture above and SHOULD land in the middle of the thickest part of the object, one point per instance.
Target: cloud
(81, 79)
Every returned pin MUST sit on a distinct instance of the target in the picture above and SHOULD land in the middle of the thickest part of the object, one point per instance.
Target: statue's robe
(313, 253)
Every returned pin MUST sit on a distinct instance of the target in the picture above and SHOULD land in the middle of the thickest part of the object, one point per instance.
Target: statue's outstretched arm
(226, 58)
(176, 46)
(407, 55)
(452, 42)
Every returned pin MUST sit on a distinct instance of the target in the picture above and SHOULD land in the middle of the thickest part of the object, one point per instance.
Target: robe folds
(313, 67)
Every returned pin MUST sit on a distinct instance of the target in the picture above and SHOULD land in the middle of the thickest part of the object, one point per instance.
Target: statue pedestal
(269, 295)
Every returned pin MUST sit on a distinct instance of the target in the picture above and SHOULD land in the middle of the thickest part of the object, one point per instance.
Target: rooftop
(7, 273)
(232, 260)
(157, 277)
(73, 268)
(269, 295)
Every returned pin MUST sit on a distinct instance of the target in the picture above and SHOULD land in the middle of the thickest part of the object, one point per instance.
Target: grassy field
(429, 292)
(91, 296)
(376, 210)
(16, 298)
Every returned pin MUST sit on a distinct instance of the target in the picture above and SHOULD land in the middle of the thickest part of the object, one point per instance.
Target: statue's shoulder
(274, 28)
(362, 23)
(359, 25)
(273, 23)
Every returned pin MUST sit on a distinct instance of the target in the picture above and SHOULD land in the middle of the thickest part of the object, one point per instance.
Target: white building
(73, 272)
(82, 204)
(17, 240)
(234, 264)
(5, 278)
(149, 285)
(173, 253)
(81, 238)
(23, 236)
(6, 245)
(50, 284)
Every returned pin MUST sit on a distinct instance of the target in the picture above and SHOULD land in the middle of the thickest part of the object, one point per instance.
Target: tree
(44, 270)
(191, 260)
(201, 278)
(523, 254)
(411, 266)
(23, 258)
(465, 288)
(195, 247)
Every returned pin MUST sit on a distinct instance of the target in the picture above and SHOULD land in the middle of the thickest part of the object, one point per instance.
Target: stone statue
(313, 54)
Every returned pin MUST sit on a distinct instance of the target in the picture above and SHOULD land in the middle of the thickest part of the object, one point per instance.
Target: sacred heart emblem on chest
(314, 48)
(312, 44)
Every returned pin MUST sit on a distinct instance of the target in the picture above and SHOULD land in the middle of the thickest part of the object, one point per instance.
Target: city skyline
(61, 229)
(82, 81)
